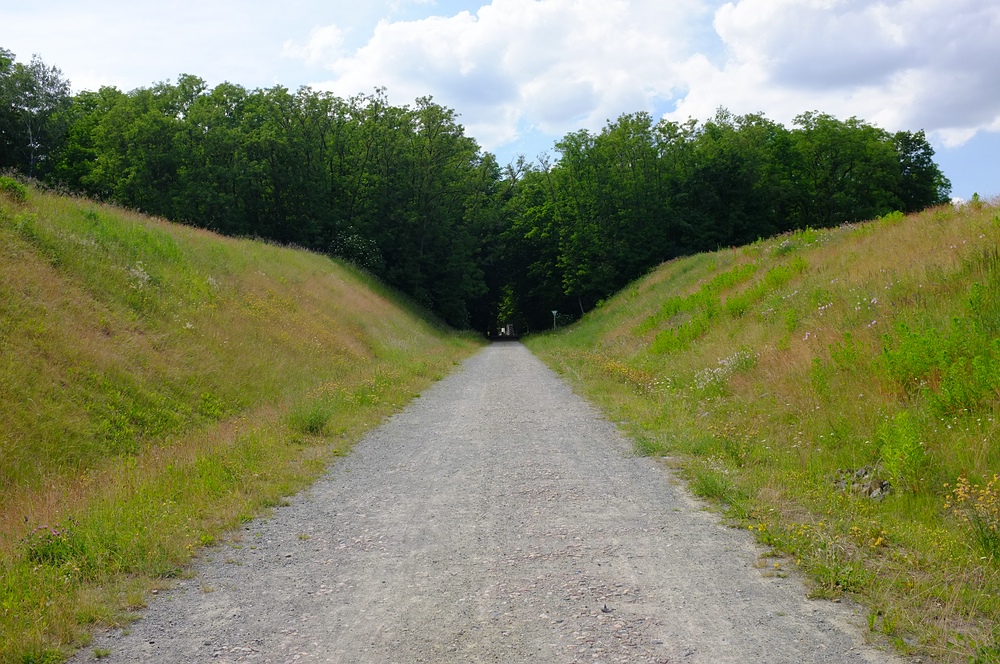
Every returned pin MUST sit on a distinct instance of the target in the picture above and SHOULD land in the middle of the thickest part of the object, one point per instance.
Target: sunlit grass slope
(837, 392)
(159, 384)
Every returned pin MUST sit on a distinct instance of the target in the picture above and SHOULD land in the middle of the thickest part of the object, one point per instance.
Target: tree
(209, 141)
(135, 156)
(742, 179)
(73, 163)
(532, 278)
(845, 171)
(403, 192)
(31, 97)
(921, 183)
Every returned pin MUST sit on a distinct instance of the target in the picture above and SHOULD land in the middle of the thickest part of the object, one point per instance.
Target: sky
(523, 73)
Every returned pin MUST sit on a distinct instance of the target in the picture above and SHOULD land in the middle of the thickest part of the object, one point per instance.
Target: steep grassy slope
(159, 384)
(837, 392)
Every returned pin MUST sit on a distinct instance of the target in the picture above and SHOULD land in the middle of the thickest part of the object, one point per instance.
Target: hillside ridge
(160, 384)
(837, 392)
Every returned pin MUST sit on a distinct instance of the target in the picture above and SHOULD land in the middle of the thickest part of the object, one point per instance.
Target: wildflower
(976, 505)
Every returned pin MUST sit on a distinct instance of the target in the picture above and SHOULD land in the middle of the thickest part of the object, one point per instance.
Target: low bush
(13, 189)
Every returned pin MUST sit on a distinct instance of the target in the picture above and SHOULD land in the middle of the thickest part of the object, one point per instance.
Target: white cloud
(524, 72)
(134, 44)
(324, 44)
(526, 66)
(532, 70)
(522, 65)
(901, 64)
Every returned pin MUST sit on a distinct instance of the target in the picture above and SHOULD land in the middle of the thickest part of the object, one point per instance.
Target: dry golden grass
(767, 410)
(160, 384)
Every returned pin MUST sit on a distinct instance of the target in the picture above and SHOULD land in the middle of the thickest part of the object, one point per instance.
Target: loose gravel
(499, 518)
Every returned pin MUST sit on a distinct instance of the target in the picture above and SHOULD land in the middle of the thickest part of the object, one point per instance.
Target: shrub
(960, 367)
(13, 189)
(913, 359)
(901, 451)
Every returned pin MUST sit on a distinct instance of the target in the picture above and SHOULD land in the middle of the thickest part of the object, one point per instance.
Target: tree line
(404, 193)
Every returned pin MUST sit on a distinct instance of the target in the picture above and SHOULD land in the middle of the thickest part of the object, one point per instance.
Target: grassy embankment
(790, 378)
(160, 384)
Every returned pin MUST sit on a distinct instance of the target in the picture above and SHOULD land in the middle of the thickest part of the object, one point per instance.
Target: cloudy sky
(523, 73)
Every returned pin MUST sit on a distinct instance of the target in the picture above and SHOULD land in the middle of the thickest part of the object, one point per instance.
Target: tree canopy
(404, 193)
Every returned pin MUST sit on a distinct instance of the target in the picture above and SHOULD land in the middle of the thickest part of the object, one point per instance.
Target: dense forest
(402, 192)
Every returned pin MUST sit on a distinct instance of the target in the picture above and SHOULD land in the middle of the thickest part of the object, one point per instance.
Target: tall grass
(158, 385)
(837, 392)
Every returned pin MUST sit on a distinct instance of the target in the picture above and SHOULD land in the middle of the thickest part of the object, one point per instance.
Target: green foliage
(641, 192)
(836, 574)
(702, 304)
(978, 507)
(971, 381)
(912, 358)
(52, 546)
(714, 485)
(743, 361)
(13, 189)
(712, 380)
(680, 337)
(892, 218)
(774, 279)
(847, 355)
(42, 656)
(850, 169)
(403, 193)
(956, 368)
(33, 97)
(794, 241)
(901, 451)
(731, 278)
(211, 407)
(921, 184)
(400, 191)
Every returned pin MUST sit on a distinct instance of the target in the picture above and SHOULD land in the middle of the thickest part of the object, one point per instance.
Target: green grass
(770, 373)
(160, 385)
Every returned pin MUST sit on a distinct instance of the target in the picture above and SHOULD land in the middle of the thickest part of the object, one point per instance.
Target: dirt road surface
(499, 518)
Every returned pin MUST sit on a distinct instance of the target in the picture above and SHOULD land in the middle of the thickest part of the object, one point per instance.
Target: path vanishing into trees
(499, 518)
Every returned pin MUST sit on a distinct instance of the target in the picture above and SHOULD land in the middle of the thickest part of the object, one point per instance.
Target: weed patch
(311, 418)
(714, 485)
(957, 368)
(978, 507)
(901, 451)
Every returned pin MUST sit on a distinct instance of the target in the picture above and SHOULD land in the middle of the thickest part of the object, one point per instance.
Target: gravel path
(499, 518)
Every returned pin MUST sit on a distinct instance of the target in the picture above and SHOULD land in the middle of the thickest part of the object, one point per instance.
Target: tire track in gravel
(499, 518)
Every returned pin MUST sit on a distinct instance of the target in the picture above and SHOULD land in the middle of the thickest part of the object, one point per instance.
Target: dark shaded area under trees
(402, 192)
